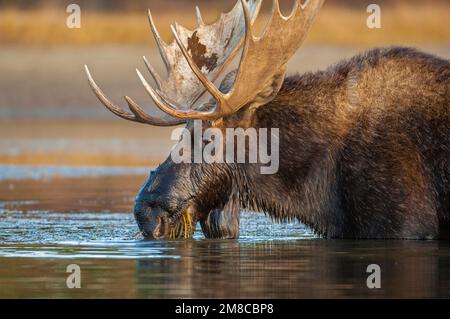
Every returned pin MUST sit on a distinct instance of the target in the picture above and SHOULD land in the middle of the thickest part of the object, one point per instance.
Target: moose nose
(152, 221)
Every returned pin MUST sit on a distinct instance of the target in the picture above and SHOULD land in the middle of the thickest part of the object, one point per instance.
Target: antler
(262, 67)
(210, 47)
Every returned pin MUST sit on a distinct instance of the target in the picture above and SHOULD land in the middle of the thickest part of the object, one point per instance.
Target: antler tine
(159, 41)
(147, 119)
(153, 73)
(310, 10)
(263, 63)
(222, 107)
(137, 115)
(102, 97)
(223, 39)
(297, 6)
(168, 107)
(200, 21)
(276, 7)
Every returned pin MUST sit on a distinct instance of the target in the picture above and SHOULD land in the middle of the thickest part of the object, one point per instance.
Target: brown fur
(371, 142)
(364, 153)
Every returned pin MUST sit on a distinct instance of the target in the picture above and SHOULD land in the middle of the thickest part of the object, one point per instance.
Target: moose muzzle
(153, 222)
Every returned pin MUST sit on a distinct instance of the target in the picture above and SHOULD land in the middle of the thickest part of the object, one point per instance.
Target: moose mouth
(156, 223)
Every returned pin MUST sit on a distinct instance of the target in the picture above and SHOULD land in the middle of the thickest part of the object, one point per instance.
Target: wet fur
(364, 150)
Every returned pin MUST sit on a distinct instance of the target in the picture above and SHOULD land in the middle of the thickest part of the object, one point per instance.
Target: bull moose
(364, 145)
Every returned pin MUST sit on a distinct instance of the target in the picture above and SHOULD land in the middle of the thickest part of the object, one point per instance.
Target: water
(63, 216)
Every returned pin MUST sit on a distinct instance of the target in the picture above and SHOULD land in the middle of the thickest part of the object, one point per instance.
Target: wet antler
(209, 47)
(262, 68)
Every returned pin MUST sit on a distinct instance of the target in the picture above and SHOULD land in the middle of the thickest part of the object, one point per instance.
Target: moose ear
(243, 117)
(270, 91)
(266, 95)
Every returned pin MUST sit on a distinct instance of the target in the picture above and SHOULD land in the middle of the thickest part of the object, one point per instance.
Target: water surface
(61, 216)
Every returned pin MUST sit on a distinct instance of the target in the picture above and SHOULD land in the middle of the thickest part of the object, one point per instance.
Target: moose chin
(364, 145)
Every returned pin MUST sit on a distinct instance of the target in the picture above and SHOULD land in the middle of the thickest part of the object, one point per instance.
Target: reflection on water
(209, 269)
(48, 224)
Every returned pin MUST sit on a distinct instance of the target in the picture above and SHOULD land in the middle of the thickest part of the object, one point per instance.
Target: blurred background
(49, 116)
(70, 170)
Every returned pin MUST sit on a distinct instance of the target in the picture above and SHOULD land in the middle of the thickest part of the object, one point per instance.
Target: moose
(364, 145)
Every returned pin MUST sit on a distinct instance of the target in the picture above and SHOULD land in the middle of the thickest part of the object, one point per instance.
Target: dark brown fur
(364, 153)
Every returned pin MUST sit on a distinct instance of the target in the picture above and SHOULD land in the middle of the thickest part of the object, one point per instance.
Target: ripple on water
(43, 234)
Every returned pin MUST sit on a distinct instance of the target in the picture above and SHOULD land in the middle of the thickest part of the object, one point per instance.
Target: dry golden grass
(402, 23)
(77, 159)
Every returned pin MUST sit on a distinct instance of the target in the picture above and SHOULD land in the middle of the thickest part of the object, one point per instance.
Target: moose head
(178, 195)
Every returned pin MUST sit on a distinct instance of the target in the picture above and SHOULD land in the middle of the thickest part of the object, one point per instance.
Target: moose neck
(305, 187)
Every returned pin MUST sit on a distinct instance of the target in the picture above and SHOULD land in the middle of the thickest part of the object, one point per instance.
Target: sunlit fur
(364, 153)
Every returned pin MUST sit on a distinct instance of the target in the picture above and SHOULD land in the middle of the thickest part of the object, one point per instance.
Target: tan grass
(402, 23)
(77, 159)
